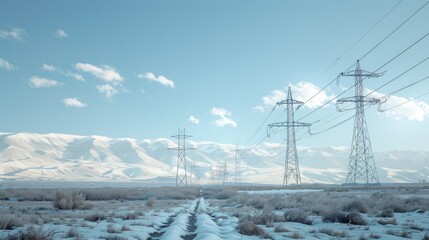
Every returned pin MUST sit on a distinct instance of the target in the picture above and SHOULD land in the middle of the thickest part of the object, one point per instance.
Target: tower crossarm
(361, 73)
(289, 101)
(358, 99)
(286, 125)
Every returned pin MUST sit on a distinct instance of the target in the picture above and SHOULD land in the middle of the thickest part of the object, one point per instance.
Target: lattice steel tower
(181, 172)
(362, 167)
(237, 171)
(291, 161)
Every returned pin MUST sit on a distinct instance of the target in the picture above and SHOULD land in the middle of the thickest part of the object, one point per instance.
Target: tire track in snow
(157, 234)
(209, 228)
(192, 223)
(176, 225)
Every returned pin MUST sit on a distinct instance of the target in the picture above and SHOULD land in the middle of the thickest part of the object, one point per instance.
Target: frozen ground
(221, 213)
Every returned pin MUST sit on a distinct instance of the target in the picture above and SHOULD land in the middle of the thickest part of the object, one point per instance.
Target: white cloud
(76, 76)
(259, 108)
(107, 89)
(412, 110)
(270, 100)
(40, 82)
(303, 91)
(223, 115)
(6, 65)
(106, 73)
(49, 68)
(73, 102)
(193, 119)
(52, 68)
(15, 34)
(60, 34)
(160, 79)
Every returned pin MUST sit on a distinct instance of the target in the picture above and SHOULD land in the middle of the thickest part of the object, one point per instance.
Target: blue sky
(141, 69)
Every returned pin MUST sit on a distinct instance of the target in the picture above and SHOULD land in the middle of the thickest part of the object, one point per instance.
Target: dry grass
(332, 233)
(297, 215)
(354, 218)
(32, 233)
(248, 227)
(72, 233)
(70, 200)
(95, 217)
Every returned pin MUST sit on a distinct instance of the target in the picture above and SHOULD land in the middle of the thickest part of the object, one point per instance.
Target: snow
(177, 228)
(31, 156)
(283, 191)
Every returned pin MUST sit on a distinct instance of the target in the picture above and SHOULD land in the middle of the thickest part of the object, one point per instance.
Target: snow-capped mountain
(29, 156)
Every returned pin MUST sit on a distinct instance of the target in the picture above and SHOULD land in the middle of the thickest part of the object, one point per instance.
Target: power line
(378, 44)
(392, 59)
(381, 19)
(372, 49)
(350, 48)
(405, 87)
(409, 100)
(400, 75)
(260, 127)
(384, 39)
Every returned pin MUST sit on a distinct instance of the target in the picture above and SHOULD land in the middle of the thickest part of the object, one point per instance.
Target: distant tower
(362, 167)
(237, 170)
(224, 172)
(193, 173)
(181, 172)
(291, 160)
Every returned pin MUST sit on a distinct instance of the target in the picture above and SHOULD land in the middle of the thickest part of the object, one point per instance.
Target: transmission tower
(291, 159)
(224, 172)
(362, 167)
(193, 173)
(181, 172)
(238, 157)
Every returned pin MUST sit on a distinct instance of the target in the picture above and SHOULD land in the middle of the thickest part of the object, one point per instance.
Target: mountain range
(61, 157)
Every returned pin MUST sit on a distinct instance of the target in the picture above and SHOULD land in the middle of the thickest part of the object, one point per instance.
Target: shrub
(279, 229)
(257, 202)
(70, 200)
(248, 227)
(387, 213)
(297, 215)
(32, 233)
(72, 233)
(387, 221)
(125, 228)
(333, 233)
(9, 222)
(95, 217)
(114, 237)
(356, 205)
(426, 236)
(151, 202)
(224, 194)
(354, 218)
(130, 216)
(267, 217)
(403, 234)
(113, 229)
(374, 235)
(296, 235)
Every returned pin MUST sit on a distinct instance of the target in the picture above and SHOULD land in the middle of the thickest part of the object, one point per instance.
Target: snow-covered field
(391, 212)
